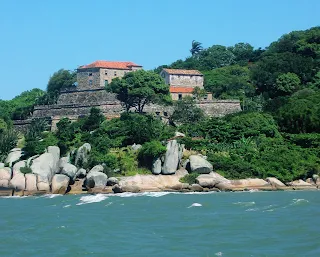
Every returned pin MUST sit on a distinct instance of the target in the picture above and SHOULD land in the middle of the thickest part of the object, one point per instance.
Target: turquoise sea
(162, 224)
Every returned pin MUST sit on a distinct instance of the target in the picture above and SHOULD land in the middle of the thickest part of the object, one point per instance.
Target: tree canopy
(139, 88)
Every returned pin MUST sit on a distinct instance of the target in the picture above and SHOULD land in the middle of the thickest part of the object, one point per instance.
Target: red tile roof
(110, 65)
(181, 89)
(182, 72)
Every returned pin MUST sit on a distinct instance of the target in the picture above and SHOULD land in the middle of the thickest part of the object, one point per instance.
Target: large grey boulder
(5, 176)
(69, 170)
(18, 181)
(171, 159)
(200, 165)
(16, 167)
(156, 167)
(60, 184)
(112, 181)
(31, 182)
(46, 165)
(14, 155)
(275, 182)
(63, 161)
(210, 180)
(97, 168)
(82, 155)
(81, 173)
(96, 179)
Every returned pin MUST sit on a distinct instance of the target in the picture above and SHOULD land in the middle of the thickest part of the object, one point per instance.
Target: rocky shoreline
(49, 173)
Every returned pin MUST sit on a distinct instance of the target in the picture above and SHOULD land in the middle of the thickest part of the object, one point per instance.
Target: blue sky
(39, 37)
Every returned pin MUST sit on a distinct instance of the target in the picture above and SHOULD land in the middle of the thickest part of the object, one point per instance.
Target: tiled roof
(181, 89)
(182, 72)
(110, 65)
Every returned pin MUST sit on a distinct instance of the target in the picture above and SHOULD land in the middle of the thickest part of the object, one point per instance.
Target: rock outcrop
(31, 182)
(46, 166)
(16, 167)
(69, 170)
(18, 182)
(81, 173)
(82, 155)
(171, 159)
(244, 184)
(200, 165)
(156, 166)
(96, 179)
(300, 184)
(211, 179)
(14, 155)
(275, 182)
(112, 181)
(60, 184)
(5, 177)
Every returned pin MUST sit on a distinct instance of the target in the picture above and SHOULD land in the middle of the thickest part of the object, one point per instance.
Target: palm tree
(196, 47)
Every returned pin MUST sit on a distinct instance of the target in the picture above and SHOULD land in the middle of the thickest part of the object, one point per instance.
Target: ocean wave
(67, 206)
(218, 254)
(92, 199)
(51, 195)
(263, 209)
(14, 197)
(245, 203)
(195, 205)
(299, 201)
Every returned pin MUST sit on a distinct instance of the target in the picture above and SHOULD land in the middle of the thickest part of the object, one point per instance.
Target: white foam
(245, 203)
(195, 205)
(66, 206)
(298, 201)
(51, 195)
(92, 199)
(218, 254)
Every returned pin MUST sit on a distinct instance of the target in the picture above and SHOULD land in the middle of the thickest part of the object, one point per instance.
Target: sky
(40, 37)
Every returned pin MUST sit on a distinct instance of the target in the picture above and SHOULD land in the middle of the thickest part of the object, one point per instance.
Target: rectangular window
(90, 74)
(115, 73)
(105, 72)
(165, 114)
(106, 82)
(205, 97)
(180, 96)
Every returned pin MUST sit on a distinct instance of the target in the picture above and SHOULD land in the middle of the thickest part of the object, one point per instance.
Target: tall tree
(196, 47)
(139, 88)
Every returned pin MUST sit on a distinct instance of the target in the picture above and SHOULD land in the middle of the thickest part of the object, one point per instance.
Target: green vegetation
(189, 178)
(137, 89)
(277, 134)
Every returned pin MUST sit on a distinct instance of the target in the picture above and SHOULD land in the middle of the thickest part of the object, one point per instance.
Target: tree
(229, 82)
(186, 111)
(199, 93)
(94, 120)
(287, 83)
(139, 88)
(3, 126)
(195, 47)
(59, 80)
(214, 57)
(243, 53)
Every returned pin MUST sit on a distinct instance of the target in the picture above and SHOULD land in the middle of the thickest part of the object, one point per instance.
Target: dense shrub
(189, 178)
(149, 152)
(8, 140)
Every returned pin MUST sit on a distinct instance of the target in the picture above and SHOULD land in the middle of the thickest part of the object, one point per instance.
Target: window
(90, 82)
(106, 82)
(180, 96)
(165, 114)
(105, 72)
(205, 97)
(158, 113)
(115, 73)
(90, 74)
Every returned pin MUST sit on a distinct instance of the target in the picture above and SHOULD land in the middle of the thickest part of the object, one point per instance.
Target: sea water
(162, 224)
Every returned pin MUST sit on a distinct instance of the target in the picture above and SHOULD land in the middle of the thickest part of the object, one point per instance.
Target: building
(100, 73)
(183, 82)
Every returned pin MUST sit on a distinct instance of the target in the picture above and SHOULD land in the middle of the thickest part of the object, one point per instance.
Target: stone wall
(93, 96)
(186, 80)
(88, 79)
(220, 108)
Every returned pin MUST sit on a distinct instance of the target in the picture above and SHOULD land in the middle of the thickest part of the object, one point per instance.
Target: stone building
(100, 73)
(76, 102)
(183, 82)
